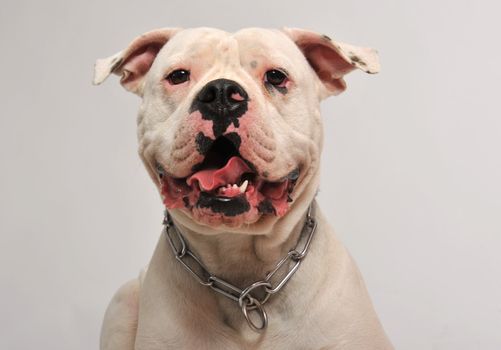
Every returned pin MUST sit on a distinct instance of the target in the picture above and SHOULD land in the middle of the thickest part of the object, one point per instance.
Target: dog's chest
(286, 339)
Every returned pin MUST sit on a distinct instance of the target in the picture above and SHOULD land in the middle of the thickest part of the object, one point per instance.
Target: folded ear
(135, 60)
(331, 60)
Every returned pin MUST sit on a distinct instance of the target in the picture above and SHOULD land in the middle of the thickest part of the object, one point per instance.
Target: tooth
(235, 186)
(243, 186)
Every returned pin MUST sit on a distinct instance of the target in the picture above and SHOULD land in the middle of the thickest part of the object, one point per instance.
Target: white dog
(230, 131)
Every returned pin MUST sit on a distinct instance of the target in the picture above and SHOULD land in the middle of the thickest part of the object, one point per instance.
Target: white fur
(325, 305)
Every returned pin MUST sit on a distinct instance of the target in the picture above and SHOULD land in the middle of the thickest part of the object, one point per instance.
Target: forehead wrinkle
(227, 51)
(174, 60)
(267, 40)
(191, 42)
(266, 55)
(186, 49)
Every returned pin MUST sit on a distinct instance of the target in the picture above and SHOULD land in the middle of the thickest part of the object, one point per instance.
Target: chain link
(285, 269)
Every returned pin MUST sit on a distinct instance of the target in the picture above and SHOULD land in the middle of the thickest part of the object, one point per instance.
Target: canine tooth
(243, 187)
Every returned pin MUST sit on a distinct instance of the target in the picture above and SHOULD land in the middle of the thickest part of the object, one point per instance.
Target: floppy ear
(331, 60)
(134, 61)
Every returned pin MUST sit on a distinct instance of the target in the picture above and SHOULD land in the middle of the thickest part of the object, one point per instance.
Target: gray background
(410, 180)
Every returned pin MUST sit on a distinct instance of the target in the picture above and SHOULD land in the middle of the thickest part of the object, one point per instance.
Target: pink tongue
(213, 178)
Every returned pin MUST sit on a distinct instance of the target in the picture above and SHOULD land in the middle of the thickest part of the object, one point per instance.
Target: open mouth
(227, 184)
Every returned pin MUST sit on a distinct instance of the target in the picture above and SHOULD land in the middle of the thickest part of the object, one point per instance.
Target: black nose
(222, 97)
(223, 102)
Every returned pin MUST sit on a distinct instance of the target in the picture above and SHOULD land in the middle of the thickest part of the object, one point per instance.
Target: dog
(230, 132)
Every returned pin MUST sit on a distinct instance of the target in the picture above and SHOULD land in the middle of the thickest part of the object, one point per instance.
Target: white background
(410, 180)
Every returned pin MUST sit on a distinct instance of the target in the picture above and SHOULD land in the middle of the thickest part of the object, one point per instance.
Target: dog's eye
(275, 77)
(178, 76)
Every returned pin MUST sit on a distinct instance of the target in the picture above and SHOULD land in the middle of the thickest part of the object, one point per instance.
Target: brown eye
(178, 76)
(275, 77)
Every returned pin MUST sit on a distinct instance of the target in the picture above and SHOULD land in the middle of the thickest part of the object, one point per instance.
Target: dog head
(229, 126)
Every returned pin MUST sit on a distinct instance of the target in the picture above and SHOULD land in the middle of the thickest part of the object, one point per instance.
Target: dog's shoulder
(120, 320)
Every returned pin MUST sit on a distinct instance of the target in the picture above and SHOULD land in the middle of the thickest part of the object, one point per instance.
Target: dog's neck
(241, 258)
(244, 258)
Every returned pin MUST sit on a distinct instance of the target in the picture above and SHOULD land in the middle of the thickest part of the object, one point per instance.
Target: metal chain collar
(244, 297)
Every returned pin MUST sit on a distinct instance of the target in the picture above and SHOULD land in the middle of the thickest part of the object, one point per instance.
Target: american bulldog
(230, 132)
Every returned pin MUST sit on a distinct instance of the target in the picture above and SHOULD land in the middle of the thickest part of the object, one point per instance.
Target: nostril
(236, 94)
(208, 94)
(236, 97)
